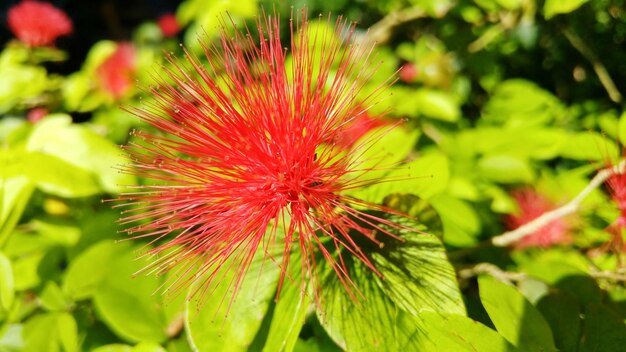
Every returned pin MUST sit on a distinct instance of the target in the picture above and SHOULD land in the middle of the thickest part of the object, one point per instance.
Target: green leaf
(51, 332)
(61, 178)
(221, 324)
(517, 103)
(424, 177)
(453, 332)
(14, 194)
(505, 169)
(372, 323)
(438, 105)
(460, 222)
(52, 298)
(416, 273)
(562, 311)
(79, 146)
(127, 304)
(514, 317)
(590, 146)
(88, 269)
(603, 330)
(288, 319)
(7, 288)
(555, 7)
(416, 276)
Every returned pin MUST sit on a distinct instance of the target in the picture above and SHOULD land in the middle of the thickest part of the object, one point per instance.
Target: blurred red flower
(532, 205)
(617, 188)
(169, 25)
(38, 23)
(245, 161)
(116, 73)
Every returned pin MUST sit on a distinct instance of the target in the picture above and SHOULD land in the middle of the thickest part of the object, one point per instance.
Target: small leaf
(555, 7)
(438, 105)
(288, 319)
(514, 317)
(453, 332)
(7, 288)
(217, 324)
(88, 269)
(603, 330)
(51, 332)
(562, 312)
(589, 146)
(127, 304)
(505, 169)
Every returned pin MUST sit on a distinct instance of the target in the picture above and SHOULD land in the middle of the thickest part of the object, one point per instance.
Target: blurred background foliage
(498, 95)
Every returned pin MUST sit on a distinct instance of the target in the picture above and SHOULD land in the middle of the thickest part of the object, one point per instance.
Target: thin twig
(490, 269)
(572, 206)
(598, 67)
(609, 275)
(380, 32)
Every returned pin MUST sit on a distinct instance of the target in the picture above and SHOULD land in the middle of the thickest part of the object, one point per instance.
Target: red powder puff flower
(617, 188)
(246, 156)
(408, 72)
(169, 25)
(117, 71)
(532, 205)
(38, 23)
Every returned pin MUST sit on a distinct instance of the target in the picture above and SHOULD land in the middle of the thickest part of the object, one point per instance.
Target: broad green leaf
(52, 298)
(514, 317)
(621, 129)
(384, 147)
(7, 287)
(88, 269)
(460, 221)
(61, 178)
(453, 332)
(141, 347)
(373, 322)
(288, 318)
(11, 338)
(517, 102)
(81, 147)
(562, 311)
(554, 265)
(505, 169)
(438, 105)
(220, 323)
(51, 332)
(552, 8)
(14, 194)
(416, 274)
(380, 313)
(583, 287)
(129, 305)
(425, 177)
(603, 330)
(590, 146)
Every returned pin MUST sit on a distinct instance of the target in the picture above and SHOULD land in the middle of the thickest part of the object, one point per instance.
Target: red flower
(249, 152)
(36, 114)
(617, 188)
(532, 205)
(38, 23)
(117, 71)
(408, 72)
(168, 24)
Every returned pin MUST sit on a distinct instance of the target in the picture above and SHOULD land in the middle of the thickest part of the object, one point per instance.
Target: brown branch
(490, 269)
(380, 32)
(597, 65)
(572, 206)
